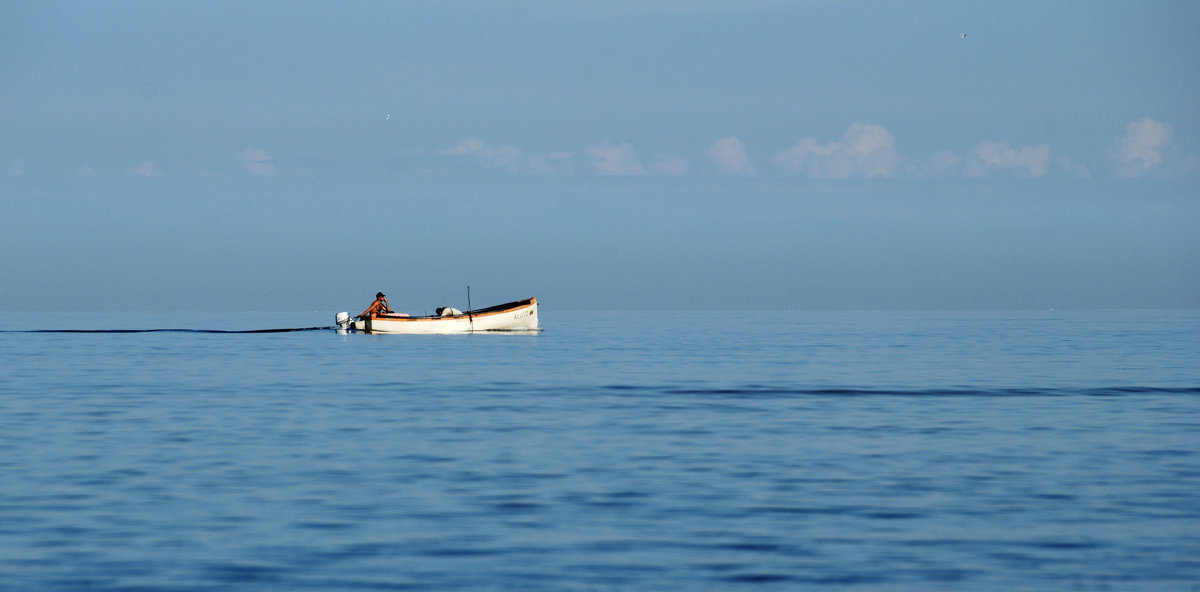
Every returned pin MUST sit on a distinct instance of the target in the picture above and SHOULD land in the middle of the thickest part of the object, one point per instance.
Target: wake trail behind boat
(171, 330)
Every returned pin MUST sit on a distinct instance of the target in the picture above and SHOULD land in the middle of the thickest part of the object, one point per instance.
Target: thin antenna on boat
(470, 319)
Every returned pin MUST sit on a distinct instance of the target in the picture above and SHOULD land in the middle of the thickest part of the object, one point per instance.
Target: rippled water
(648, 451)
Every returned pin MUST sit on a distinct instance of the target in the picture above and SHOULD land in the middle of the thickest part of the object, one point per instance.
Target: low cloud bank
(865, 150)
(730, 156)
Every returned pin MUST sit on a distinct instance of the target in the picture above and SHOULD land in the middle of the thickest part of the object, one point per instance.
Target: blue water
(613, 451)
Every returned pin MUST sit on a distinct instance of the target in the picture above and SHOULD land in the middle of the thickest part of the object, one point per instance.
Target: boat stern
(344, 322)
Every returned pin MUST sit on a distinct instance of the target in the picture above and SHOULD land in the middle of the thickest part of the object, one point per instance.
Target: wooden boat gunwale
(466, 322)
(483, 312)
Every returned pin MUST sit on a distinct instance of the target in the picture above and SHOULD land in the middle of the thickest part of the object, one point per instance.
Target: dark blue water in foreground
(677, 451)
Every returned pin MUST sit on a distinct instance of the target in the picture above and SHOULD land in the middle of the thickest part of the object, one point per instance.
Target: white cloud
(1032, 161)
(467, 146)
(511, 158)
(609, 159)
(730, 155)
(16, 168)
(1146, 148)
(258, 162)
(146, 169)
(864, 151)
(506, 157)
(1142, 146)
(675, 166)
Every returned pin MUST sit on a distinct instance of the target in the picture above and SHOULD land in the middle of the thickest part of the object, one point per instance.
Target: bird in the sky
(964, 35)
(389, 115)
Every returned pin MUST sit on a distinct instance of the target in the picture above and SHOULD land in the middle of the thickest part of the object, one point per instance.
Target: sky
(623, 155)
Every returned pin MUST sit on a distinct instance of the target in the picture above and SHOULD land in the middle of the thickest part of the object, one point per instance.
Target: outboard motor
(343, 322)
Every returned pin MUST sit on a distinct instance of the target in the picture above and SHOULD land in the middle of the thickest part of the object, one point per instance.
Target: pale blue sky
(303, 155)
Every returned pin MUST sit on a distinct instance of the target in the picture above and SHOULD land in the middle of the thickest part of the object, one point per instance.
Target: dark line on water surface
(759, 391)
(170, 330)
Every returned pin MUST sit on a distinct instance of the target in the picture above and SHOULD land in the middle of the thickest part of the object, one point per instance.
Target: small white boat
(521, 315)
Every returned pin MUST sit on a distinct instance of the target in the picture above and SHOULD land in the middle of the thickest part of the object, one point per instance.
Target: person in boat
(380, 306)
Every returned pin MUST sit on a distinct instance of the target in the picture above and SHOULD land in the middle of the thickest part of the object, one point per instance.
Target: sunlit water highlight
(678, 451)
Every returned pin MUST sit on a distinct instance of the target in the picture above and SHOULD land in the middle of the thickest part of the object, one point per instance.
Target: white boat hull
(514, 316)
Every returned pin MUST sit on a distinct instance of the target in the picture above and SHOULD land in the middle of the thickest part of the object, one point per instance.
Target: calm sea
(613, 451)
